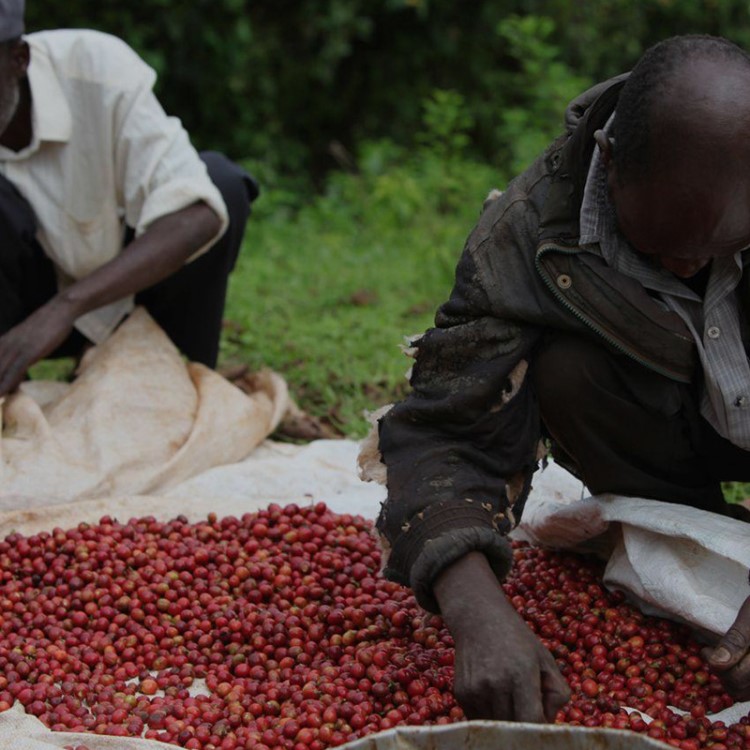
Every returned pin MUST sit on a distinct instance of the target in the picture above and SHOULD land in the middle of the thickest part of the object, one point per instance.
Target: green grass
(736, 492)
(326, 295)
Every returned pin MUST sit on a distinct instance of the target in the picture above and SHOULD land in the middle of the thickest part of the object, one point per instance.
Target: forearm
(454, 477)
(461, 448)
(464, 586)
(502, 671)
(158, 253)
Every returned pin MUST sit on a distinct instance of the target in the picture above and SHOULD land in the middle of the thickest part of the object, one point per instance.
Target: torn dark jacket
(461, 449)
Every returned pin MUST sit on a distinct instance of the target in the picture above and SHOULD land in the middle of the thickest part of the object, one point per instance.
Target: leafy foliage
(545, 83)
(294, 85)
(326, 294)
(425, 94)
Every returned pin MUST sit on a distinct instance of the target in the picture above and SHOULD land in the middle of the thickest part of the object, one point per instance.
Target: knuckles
(735, 639)
(737, 679)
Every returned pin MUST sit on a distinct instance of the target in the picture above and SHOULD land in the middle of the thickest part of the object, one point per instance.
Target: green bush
(294, 86)
(325, 294)
(545, 85)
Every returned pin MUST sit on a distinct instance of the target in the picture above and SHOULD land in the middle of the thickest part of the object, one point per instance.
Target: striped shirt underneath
(714, 320)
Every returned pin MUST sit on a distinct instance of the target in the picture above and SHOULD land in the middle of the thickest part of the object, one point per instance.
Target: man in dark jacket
(601, 302)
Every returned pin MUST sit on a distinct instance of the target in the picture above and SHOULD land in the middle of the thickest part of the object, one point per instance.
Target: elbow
(208, 224)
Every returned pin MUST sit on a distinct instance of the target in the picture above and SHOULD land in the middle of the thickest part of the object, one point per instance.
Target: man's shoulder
(89, 55)
(523, 199)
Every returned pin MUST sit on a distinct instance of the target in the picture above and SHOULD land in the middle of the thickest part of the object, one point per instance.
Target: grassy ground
(326, 294)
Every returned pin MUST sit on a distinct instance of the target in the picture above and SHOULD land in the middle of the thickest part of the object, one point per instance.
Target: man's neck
(699, 282)
(18, 133)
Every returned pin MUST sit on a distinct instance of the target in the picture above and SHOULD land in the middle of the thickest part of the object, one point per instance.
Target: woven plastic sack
(673, 560)
(497, 735)
(137, 419)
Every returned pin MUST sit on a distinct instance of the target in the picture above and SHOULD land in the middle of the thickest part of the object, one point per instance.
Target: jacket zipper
(544, 248)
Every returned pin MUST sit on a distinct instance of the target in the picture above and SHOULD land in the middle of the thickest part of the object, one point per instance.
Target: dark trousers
(189, 305)
(627, 430)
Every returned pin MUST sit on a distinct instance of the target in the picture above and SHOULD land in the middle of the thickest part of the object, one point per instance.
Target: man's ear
(20, 56)
(606, 147)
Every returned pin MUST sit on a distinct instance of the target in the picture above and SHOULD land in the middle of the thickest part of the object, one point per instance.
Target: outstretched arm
(503, 672)
(155, 255)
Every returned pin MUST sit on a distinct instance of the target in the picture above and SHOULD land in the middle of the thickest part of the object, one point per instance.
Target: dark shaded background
(296, 85)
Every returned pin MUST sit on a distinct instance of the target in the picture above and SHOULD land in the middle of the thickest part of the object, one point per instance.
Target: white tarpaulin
(474, 735)
(494, 735)
(276, 472)
(142, 433)
(673, 560)
(136, 420)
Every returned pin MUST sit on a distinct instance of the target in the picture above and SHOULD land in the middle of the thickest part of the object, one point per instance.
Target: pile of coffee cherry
(276, 631)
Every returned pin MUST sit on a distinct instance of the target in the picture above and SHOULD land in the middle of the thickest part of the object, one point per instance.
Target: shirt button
(741, 401)
(714, 332)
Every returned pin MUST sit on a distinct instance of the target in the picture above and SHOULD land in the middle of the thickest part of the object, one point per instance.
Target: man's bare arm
(156, 254)
(502, 670)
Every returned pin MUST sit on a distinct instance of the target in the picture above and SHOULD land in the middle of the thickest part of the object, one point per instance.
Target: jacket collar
(569, 167)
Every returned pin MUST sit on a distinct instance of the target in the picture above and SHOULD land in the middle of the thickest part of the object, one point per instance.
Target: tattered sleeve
(460, 450)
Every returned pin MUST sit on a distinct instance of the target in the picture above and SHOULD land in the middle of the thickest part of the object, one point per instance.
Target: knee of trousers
(566, 370)
(238, 187)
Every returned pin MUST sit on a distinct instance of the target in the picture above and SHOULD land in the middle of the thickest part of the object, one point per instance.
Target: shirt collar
(600, 234)
(595, 202)
(51, 119)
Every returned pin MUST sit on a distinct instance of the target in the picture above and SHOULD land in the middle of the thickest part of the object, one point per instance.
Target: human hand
(33, 339)
(502, 671)
(730, 659)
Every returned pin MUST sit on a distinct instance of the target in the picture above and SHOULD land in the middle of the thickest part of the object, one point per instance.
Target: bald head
(677, 86)
(701, 123)
(680, 180)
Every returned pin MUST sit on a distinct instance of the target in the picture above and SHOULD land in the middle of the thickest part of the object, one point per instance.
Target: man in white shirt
(104, 203)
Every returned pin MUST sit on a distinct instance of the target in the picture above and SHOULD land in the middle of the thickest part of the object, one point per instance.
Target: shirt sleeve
(158, 171)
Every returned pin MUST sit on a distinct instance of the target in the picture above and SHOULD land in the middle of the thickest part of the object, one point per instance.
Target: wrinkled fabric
(458, 437)
(103, 155)
(137, 419)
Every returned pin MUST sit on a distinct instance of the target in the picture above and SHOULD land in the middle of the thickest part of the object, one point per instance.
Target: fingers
(527, 699)
(736, 680)
(474, 697)
(534, 698)
(555, 693)
(13, 360)
(731, 657)
(11, 379)
(10, 376)
(502, 706)
(734, 645)
(477, 706)
(491, 696)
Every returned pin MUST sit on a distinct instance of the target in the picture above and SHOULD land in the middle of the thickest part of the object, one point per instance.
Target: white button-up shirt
(103, 155)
